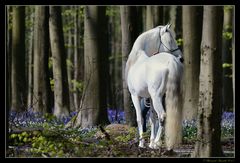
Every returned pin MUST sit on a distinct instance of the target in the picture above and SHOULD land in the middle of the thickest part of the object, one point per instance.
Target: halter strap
(169, 50)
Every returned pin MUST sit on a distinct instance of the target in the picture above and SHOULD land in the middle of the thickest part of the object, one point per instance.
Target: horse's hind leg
(157, 104)
(152, 120)
(145, 108)
(136, 102)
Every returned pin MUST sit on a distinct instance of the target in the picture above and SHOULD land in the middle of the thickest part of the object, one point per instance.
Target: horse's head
(168, 43)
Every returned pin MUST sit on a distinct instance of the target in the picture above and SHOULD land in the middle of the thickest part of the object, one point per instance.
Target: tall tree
(30, 63)
(140, 18)
(93, 109)
(192, 32)
(175, 18)
(154, 16)
(233, 57)
(70, 65)
(209, 109)
(227, 59)
(9, 55)
(18, 77)
(76, 59)
(61, 92)
(166, 14)
(116, 58)
(41, 86)
(149, 17)
(129, 28)
(158, 15)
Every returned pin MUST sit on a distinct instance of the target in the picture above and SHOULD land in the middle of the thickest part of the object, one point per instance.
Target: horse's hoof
(156, 146)
(151, 145)
(141, 146)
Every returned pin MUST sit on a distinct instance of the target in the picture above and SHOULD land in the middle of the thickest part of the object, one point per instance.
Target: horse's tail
(173, 126)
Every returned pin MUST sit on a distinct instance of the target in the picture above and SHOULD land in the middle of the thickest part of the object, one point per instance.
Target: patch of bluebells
(112, 113)
(189, 128)
(30, 118)
(228, 124)
(26, 118)
(65, 119)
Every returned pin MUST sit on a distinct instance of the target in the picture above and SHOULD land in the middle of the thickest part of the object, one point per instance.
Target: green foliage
(9, 25)
(189, 133)
(228, 7)
(227, 35)
(56, 141)
(77, 86)
(180, 42)
(111, 11)
(128, 137)
(69, 64)
(49, 117)
(113, 57)
(50, 62)
(28, 23)
(23, 138)
(227, 65)
(81, 12)
(52, 84)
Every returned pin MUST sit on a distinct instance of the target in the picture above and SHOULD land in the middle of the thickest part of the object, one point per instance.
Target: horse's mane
(138, 45)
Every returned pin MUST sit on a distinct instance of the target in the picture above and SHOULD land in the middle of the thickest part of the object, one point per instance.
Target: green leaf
(227, 65)
(179, 41)
(227, 35)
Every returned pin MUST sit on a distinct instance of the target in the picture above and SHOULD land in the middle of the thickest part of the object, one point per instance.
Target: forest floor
(115, 140)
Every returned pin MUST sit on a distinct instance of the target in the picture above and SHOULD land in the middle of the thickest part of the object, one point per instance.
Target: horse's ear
(163, 30)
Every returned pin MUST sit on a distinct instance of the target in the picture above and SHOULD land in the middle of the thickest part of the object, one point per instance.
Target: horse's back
(161, 65)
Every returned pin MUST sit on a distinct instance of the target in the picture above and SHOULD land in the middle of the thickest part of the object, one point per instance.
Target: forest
(66, 94)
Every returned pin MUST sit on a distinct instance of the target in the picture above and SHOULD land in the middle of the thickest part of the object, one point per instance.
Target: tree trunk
(192, 30)
(166, 14)
(93, 110)
(18, 77)
(9, 55)
(149, 20)
(76, 61)
(30, 60)
(158, 16)
(154, 16)
(209, 110)
(61, 93)
(41, 86)
(128, 25)
(227, 59)
(139, 19)
(173, 17)
(70, 63)
(116, 62)
(233, 57)
(175, 14)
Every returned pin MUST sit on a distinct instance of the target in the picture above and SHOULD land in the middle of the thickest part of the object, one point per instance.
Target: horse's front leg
(136, 103)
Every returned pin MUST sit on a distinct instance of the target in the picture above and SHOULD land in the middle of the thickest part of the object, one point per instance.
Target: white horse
(154, 76)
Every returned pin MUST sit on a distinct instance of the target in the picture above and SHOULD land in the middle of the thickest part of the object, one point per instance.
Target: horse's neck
(148, 41)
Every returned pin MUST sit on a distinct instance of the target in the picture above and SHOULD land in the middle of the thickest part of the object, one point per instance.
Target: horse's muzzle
(181, 59)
